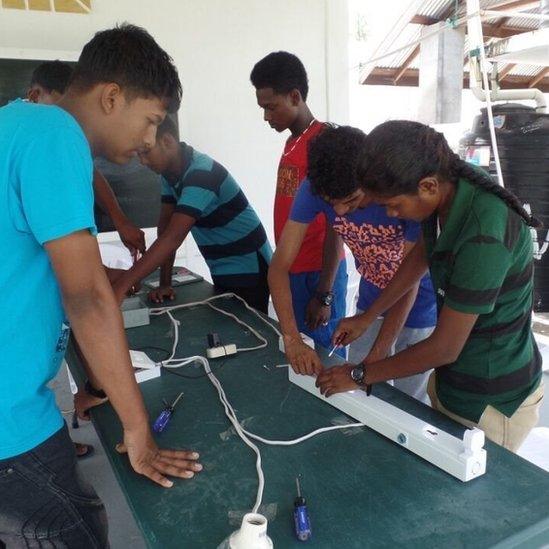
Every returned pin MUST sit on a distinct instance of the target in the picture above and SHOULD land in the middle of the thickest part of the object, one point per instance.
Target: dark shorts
(256, 296)
(44, 502)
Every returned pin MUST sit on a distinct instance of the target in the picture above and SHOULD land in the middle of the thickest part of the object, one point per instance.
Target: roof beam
(506, 70)
(424, 20)
(512, 4)
(410, 77)
(497, 30)
(407, 63)
(538, 78)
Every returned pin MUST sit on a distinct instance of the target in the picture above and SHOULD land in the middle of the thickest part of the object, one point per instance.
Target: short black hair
(52, 76)
(168, 126)
(333, 159)
(129, 56)
(281, 71)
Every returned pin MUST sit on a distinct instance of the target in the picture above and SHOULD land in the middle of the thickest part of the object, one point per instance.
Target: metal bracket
(464, 459)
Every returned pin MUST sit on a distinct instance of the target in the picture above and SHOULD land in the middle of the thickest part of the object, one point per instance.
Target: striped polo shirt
(482, 263)
(227, 230)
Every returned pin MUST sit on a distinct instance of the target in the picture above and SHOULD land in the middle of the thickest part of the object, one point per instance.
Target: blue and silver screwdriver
(301, 516)
(164, 417)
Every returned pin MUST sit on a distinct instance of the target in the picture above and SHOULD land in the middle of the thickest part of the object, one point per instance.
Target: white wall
(214, 44)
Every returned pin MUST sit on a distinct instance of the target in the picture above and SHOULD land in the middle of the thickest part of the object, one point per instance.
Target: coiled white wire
(245, 435)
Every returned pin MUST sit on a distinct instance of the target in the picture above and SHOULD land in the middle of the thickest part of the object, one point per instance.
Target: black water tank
(523, 144)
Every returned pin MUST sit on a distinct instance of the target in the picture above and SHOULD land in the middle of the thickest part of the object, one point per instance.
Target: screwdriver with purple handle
(163, 419)
(301, 516)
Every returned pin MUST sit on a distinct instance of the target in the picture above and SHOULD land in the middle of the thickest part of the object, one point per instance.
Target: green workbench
(362, 489)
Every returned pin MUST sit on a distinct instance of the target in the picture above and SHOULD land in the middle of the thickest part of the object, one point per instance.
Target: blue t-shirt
(227, 231)
(377, 243)
(46, 190)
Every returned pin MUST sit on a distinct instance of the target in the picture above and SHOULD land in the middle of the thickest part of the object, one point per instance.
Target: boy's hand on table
(301, 357)
(161, 294)
(149, 460)
(336, 380)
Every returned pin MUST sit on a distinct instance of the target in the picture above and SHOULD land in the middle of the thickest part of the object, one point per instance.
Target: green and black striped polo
(482, 263)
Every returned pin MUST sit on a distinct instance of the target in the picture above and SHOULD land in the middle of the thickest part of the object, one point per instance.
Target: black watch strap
(325, 298)
(91, 390)
(367, 387)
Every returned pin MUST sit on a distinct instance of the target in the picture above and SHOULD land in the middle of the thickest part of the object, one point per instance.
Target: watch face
(357, 374)
(326, 299)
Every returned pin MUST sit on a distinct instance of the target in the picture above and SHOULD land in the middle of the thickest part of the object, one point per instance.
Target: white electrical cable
(488, 99)
(304, 437)
(245, 435)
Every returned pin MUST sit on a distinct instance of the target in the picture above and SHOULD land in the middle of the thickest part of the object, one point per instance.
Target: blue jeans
(45, 503)
(303, 287)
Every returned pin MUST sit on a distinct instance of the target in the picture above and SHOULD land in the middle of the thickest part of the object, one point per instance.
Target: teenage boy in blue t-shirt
(48, 84)
(52, 267)
(378, 244)
(200, 196)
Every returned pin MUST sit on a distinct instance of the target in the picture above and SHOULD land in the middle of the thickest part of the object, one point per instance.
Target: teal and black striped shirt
(227, 230)
(482, 263)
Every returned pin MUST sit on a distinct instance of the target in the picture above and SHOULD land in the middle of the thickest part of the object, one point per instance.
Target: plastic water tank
(523, 144)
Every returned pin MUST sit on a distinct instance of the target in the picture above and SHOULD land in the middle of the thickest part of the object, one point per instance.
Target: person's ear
(428, 187)
(110, 97)
(295, 97)
(33, 95)
(168, 141)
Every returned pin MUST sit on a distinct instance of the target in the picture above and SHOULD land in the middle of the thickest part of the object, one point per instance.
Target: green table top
(362, 489)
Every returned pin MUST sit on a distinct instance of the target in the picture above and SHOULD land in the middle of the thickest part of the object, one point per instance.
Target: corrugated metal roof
(439, 9)
(409, 34)
(526, 70)
(436, 9)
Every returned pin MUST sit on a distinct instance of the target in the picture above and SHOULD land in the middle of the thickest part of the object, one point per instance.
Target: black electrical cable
(153, 348)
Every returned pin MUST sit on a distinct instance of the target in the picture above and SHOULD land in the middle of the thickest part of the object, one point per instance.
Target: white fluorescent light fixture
(464, 458)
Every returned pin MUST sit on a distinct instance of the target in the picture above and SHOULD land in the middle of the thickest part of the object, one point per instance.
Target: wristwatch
(357, 375)
(325, 298)
(91, 390)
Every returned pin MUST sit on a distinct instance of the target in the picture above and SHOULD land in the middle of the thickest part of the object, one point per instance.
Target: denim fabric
(303, 287)
(44, 502)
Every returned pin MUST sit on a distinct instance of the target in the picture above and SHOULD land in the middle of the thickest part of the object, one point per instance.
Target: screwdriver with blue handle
(301, 516)
(163, 419)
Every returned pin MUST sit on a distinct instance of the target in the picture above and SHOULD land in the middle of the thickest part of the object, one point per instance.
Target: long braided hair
(400, 153)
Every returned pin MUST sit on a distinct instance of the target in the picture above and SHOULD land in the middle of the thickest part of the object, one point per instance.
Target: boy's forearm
(279, 286)
(106, 199)
(392, 324)
(166, 271)
(158, 254)
(97, 325)
(333, 249)
(166, 267)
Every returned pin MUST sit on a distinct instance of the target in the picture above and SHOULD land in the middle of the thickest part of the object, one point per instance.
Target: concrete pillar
(441, 75)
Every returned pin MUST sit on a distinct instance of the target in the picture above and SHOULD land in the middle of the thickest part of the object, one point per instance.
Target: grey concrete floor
(123, 531)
